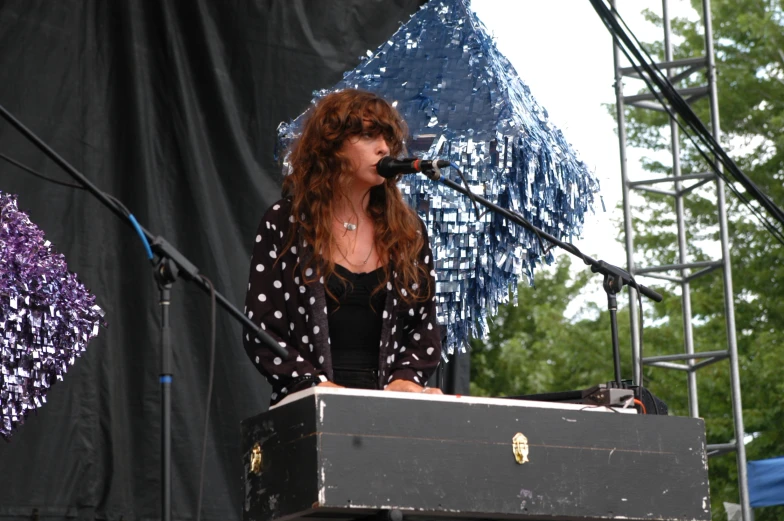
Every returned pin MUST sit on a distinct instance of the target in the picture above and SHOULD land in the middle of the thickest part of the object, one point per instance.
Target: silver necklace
(372, 246)
(347, 225)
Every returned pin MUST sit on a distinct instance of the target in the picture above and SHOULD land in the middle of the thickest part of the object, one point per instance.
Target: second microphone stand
(614, 277)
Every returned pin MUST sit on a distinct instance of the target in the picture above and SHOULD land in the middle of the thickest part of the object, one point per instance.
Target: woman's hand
(407, 386)
(330, 384)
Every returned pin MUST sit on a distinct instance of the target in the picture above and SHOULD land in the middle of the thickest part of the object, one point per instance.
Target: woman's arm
(419, 351)
(265, 306)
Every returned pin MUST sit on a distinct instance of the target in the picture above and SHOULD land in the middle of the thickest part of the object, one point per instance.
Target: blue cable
(141, 234)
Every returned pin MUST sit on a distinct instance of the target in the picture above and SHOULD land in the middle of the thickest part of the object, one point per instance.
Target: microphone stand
(170, 265)
(614, 277)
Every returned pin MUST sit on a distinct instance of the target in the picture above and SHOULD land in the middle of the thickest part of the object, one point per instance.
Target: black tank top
(355, 326)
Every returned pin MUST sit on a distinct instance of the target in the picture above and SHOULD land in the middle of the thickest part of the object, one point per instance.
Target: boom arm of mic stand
(596, 266)
(188, 270)
(158, 244)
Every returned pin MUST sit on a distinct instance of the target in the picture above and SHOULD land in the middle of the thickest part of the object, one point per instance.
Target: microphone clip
(431, 170)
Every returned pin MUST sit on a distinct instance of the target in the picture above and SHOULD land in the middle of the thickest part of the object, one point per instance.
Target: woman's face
(364, 151)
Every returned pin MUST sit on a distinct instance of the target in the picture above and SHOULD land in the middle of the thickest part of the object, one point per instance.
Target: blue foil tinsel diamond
(463, 101)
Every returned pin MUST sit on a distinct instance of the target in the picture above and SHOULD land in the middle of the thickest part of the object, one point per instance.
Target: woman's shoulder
(281, 206)
(276, 217)
(279, 211)
(422, 224)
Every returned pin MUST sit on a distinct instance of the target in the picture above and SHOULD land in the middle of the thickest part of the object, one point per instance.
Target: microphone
(390, 167)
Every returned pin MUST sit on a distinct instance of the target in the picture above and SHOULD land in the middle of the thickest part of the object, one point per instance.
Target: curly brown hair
(318, 172)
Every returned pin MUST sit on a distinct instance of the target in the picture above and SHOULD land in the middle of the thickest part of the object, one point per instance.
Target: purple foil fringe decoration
(47, 316)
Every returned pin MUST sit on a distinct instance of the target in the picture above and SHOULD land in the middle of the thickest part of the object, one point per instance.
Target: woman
(342, 272)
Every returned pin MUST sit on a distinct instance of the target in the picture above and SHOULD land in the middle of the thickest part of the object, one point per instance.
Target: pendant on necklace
(350, 226)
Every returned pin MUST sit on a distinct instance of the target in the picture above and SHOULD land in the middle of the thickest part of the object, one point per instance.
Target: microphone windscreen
(387, 167)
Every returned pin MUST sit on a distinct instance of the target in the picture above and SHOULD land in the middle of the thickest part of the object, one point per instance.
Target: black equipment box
(344, 454)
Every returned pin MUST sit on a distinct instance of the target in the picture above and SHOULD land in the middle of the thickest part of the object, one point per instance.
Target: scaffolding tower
(679, 186)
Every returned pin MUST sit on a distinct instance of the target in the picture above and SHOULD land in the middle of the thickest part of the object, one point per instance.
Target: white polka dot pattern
(294, 313)
(415, 359)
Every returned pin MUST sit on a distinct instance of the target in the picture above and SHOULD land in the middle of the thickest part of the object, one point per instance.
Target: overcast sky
(563, 52)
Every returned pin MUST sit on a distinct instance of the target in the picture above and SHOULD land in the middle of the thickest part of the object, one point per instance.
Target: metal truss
(680, 186)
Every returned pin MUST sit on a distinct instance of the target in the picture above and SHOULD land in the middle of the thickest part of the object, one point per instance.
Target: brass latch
(520, 448)
(255, 459)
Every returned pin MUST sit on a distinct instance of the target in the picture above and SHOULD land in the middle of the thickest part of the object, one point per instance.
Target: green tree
(533, 348)
(749, 44)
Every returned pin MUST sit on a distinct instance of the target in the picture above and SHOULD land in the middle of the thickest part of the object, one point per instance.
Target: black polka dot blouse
(295, 315)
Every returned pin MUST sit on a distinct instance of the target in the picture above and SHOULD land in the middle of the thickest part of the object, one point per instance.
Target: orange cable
(638, 402)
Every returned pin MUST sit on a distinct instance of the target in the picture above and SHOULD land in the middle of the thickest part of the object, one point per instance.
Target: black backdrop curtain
(172, 107)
